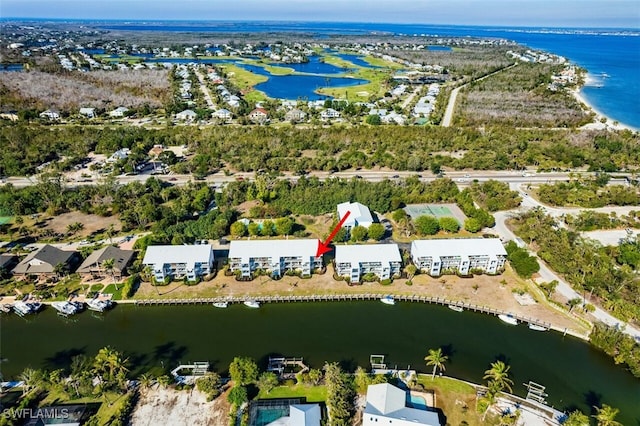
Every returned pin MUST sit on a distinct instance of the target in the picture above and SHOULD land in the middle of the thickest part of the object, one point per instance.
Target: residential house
(7, 262)
(93, 265)
(118, 112)
(329, 114)
(458, 255)
(44, 262)
(394, 118)
(88, 112)
(300, 415)
(223, 115)
(186, 115)
(175, 262)
(259, 116)
(295, 115)
(359, 215)
(120, 154)
(50, 115)
(274, 256)
(387, 404)
(155, 151)
(353, 261)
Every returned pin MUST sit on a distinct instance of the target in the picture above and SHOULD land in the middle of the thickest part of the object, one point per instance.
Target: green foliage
(472, 225)
(524, 264)
(267, 381)
(243, 370)
(629, 253)
(130, 285)
(340, 395)
(238, 229)
(358, 233)
(376, 231)
(449, 224)
(237, 395)
(577, 418)
(586, 264)
(399, 215)
(427, 225)
(373, 119)
(209, 384)
(587, 193)
(618, 345)
(494, 195)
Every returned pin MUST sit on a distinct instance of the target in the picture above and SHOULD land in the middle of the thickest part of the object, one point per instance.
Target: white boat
(22, 308)
(65, 308)
(388, 300)
(35, 306)
(99, 305)
(508, 318)
(455, 308)
(221, 304)
(6, 308)
(252, 303)
(537, 327)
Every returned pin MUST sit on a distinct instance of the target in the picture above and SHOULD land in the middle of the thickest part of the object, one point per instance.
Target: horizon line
(19, 18)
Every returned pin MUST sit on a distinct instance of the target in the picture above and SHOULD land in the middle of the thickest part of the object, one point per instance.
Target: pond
(574, 373)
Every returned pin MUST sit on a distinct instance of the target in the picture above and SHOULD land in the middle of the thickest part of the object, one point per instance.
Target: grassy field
(375, 87)
(312, 393)
(456, 399)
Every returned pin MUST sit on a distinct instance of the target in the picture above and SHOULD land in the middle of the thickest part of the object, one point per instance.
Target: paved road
(448, 113)
(547, 275)
(205, 91)
(462, 178)
(412, 95)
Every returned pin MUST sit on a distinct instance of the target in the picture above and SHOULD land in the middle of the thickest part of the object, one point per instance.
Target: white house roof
(361, 253)
(386, 401)
(189, 254)
(304, 415)
(272, 248)
(458, 247)
(360, 214)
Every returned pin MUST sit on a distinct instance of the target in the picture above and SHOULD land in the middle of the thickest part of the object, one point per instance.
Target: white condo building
(190, 261)
(458, 255)
(353, 261)
(274, 256)
(386, 405)
(359, 215)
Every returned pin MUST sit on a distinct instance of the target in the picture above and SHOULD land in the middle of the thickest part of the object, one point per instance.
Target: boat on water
(455, 308)
(221, 304)
(65, 308)
(388, 300)
(537, 327)
(508, 318)
(252, 303)
(6, 308)
(99, 305)
(23, 308)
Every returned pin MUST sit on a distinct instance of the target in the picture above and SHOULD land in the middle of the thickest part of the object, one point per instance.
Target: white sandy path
(160, 406)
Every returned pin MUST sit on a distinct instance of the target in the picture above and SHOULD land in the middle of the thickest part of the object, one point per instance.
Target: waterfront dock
(348, 298)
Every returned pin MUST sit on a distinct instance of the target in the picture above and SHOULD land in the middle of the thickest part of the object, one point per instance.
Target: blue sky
(578, 13)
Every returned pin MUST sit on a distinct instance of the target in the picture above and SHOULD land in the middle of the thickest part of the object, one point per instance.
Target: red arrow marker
(324, 247)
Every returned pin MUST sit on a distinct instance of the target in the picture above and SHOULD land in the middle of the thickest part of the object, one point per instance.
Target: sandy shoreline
(601, 121)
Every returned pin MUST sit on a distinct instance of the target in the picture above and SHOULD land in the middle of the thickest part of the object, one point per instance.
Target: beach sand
(601, 121)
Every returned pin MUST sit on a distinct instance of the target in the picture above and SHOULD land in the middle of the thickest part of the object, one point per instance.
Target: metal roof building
(458, 255)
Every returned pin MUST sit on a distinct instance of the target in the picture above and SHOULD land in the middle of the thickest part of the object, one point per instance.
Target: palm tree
(605, 416)
(108, 266)
(31, 380)
(164, 380)
(110, 366)
(498, 374)
(437, 359)
(577, 418)
(145, 381)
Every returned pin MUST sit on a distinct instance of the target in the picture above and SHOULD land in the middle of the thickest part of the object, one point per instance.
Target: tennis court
(435, 210)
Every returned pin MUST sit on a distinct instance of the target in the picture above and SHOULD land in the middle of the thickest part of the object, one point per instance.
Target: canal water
(575, 375)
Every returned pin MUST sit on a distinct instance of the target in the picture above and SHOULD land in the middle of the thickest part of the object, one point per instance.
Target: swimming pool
(265, 411)
(416, 401)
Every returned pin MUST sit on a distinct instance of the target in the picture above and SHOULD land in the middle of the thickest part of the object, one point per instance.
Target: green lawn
(4, 219)
(117, 293)
(456, 399)
(312, 393)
